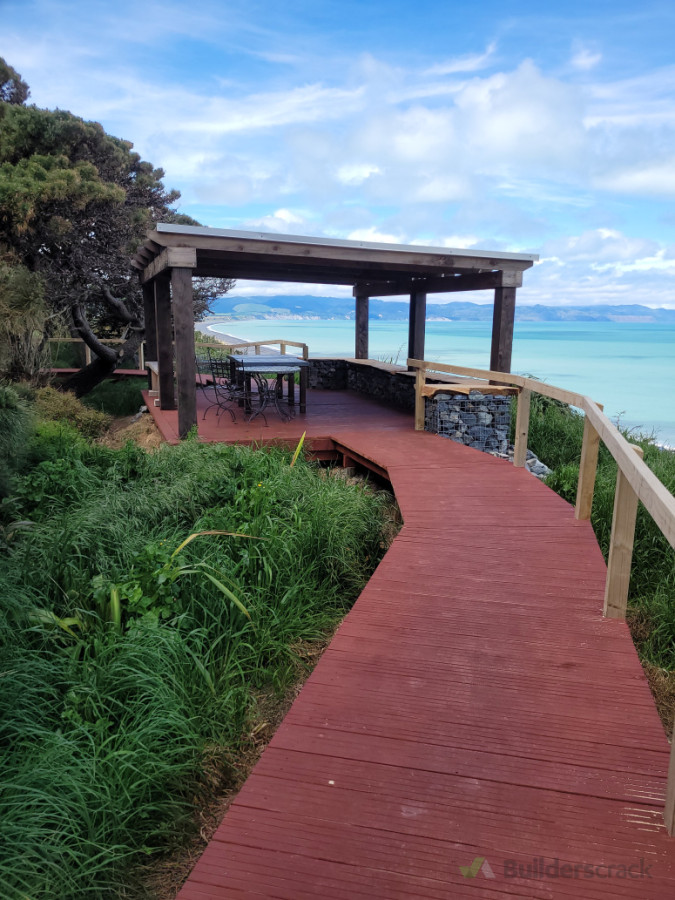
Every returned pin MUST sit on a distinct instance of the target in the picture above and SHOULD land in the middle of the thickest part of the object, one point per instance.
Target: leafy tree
(75, 203)
(13, 89)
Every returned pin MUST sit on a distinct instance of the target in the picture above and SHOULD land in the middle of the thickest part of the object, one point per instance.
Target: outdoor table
(280, 365)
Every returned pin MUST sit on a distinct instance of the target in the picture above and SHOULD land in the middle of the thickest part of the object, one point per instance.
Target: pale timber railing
(218, 345)
(87, 351)
(635, 482)
(257, 345)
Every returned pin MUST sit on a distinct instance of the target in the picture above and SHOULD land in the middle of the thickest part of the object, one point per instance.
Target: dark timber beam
(213, 269)
(184, 329)
(502, 329)
(164, 337)
(167, 259)
(468, 281)
(416, 325)
(361, 340)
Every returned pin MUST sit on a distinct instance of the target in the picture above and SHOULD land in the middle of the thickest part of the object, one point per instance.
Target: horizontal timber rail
(635, 482)
(283, 344)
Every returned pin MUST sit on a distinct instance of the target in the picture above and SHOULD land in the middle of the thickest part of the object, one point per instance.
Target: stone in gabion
(480, 420)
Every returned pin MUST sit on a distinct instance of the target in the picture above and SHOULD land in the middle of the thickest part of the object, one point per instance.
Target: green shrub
(62, 406)
(105, 729)
(117, 397)
(555, 436)
(15, 427)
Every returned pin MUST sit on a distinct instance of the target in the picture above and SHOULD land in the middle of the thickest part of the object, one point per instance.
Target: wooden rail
(283, 344)
(222, 345)
(635, 483)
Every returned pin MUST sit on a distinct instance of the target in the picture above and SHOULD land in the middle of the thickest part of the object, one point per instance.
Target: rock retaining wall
(381, 382)
(477, 420)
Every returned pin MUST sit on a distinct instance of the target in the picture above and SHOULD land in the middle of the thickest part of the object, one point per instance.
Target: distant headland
(293, 308)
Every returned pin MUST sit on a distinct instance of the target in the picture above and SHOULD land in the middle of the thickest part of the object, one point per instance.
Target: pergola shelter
(173, 254)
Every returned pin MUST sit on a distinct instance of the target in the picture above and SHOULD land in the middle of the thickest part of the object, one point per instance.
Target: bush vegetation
(555, 436)
(129, 661)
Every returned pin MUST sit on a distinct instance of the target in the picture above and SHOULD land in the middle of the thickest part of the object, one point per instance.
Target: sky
(518, 126)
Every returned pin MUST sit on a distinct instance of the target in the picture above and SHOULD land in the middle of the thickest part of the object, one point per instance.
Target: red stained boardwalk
(474, 705)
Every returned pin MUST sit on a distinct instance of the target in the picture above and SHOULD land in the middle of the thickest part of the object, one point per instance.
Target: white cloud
(584, 57)
(375, 236)
(469, 63)
(657, 179)
(356, 173)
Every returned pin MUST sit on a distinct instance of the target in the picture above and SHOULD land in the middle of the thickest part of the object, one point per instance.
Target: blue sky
(519, 126)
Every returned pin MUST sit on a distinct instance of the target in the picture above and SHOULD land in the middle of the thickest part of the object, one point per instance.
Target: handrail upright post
(621, 546)
(522, 427)
(588, 466)
(420, 379)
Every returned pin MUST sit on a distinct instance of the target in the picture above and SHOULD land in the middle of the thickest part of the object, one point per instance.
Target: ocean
(628, 367)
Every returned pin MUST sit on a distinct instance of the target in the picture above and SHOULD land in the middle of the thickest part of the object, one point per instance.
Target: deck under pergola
(173, 254)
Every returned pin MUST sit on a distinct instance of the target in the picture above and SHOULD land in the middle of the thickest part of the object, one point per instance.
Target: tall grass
(103, 736)
(555, 436)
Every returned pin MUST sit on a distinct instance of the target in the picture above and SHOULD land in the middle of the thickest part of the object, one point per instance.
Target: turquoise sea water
(630, 368)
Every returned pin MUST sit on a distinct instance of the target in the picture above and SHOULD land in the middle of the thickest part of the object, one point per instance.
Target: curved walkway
(474, 714)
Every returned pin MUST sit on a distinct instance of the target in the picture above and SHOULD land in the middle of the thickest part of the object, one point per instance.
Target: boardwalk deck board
(474, 703)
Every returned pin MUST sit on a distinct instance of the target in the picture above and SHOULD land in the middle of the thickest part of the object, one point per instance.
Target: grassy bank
(555, 436)
(129, 662)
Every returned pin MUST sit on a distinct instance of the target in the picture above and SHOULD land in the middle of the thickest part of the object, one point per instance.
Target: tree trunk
(87, 378)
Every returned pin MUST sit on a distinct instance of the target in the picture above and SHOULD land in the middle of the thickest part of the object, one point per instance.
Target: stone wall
(392, 385)
(477, 420)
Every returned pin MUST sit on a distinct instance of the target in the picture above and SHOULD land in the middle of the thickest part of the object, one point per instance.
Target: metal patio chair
(225, 391)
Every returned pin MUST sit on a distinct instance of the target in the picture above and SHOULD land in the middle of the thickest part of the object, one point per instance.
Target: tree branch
(118, 306)
(84, 329)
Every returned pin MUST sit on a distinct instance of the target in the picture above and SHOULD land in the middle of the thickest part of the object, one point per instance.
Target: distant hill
(308, 307)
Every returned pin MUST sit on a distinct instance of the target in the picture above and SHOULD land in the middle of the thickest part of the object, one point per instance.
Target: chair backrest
(220, 368)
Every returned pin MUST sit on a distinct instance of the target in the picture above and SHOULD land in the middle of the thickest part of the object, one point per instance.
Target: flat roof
(368, 265)
(335, 242)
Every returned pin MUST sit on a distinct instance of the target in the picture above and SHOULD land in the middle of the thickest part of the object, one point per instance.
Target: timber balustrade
(256, 345)
(635, 483)
(221, 345)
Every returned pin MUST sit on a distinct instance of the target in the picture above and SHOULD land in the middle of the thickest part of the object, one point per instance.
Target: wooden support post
(670, 791)
(164, 339)
(150, 350)
(150, 322)
(184, 329)
(502, 329)
(588, 466)
(361, 327)
(522, 427)
(621, 546)
(282, 348)
(420, 378)
(87, 355)
(416, 325)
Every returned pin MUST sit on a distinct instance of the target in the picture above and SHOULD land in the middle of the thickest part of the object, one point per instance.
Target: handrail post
(282, 348)
(588, 466)
(669, 813)
(87, 355)
(141, 355)
(621, 546)
(522, 427)
(420, 378)
(257, 350)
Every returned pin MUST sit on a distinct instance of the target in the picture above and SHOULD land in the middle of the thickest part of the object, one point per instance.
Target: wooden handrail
(635, 482)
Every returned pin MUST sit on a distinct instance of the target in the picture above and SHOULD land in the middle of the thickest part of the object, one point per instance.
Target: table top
(280, 361)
